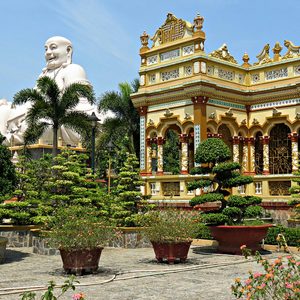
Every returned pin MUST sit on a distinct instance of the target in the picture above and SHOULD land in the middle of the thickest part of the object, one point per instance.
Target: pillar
(266, 169)
(294, 139)
(200, 127)
(160, 167)
(184, 153)
(236, 150)
(149, 156)
(143, 155)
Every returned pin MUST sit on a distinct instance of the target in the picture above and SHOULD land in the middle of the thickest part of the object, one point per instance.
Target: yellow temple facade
(254, 108)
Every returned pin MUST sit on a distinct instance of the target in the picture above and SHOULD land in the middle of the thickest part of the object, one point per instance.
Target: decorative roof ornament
(144, 39)
(264, 57)
(255, 122)
(150, 122)
(297, 117)
(293, 51)
(168, 113)
(223, 53)
(246, 59)
(276, 50)
(187, 116)
(212, 116)
(229, 113)
(275, 112)
(198, 22)
(243, 122)
(173, 29)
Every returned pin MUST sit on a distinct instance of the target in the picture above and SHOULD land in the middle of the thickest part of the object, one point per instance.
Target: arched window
(226, 136)
(280, 150)
(171, 150)
(259, 153)
(191, 150)
(241, 154)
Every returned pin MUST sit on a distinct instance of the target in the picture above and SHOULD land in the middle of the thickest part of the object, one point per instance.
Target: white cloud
(94, 24)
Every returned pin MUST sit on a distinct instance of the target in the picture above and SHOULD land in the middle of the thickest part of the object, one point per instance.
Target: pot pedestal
(80, 262)
(231, 238)
(171, 252)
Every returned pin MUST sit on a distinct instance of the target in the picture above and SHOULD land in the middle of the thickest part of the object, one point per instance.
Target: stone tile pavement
(206, 274)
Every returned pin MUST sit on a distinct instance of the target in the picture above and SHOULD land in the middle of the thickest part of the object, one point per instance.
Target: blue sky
(105, 33)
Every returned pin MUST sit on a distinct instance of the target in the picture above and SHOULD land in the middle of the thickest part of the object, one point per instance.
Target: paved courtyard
(205, 275)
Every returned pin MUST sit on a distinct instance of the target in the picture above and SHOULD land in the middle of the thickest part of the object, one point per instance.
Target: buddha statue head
(58, 52)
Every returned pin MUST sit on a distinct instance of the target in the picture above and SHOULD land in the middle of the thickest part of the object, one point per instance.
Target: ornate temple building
(254, 108)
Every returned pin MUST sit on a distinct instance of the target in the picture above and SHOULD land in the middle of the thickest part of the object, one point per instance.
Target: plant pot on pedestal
(231, 238)
(80, 261)
(171, 252)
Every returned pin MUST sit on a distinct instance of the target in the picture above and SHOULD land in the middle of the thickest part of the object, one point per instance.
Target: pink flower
(257, 275)
(78, 296)
(288, 285)
(243, 247)
(248, 281)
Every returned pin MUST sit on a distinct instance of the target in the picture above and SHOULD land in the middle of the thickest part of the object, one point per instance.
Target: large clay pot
(231, 238)
(80, 262)
(171, 252)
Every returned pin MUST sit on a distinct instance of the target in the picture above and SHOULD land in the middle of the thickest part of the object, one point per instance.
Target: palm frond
(34, 132)
(40, 109)
(78, 121)
(74, 92)
(48, 87)
(26, 95)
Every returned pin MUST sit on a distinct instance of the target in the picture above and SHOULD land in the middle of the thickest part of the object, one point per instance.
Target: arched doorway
(226, 136)
(280, 150)
(259, 153)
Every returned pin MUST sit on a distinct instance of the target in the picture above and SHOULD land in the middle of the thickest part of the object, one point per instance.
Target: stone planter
(80, 262)
(3, 242)
(231, 238)
(171, 252)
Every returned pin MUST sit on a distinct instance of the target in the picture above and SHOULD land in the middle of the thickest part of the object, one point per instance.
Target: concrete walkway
(205, 275)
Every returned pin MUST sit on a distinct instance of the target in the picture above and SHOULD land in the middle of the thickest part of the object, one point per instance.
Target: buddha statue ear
(69, 54)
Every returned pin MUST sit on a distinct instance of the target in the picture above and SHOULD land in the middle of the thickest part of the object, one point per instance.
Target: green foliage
(170, 225)
(212, 150)
(79, 227)
(8, 177)
(254, 211)
(201, 170)
(128, 196)
(292, 235)
(171, 159)
(209, 197)
(215, 218)
(223, 174)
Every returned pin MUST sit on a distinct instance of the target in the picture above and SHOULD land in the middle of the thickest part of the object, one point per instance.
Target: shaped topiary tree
(214, 155)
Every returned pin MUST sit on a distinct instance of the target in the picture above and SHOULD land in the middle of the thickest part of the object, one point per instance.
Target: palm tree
(125, 122)
(52, 107)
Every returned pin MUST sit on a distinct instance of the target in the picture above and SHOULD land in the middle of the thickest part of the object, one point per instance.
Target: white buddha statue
(59, 66)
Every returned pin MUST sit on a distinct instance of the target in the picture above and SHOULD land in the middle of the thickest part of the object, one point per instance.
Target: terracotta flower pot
(231, 238)
(171, 252)
(80, 262)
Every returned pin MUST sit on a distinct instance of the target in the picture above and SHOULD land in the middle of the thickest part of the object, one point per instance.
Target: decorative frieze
(170, 105)
(226, 104)
(210, 70)
(170, 75)
(188, 71)
(297, 70)
(276, 74)
(275, 104)
(255, 78)
(203, 67)
(187, 50)
(151, 60)
(152, 78)
(197, 138)
(142, 142)
(170, 55)
(227, 75)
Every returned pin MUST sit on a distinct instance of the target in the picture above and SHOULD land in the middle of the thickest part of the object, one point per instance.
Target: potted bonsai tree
(227, 222)
(170, 232)
(80, 234)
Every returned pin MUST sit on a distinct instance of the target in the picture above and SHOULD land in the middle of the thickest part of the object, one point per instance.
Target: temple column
(160, 169)
(143, 155)
(294, 139)
(245, 156)
(184, 153)
(266, 168)
(200, 127)
(251, 144)
(235, 148)
(149, 156)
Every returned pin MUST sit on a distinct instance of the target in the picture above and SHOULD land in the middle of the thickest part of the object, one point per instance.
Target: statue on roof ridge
(293, 51)
(264, 56)
(223, 53)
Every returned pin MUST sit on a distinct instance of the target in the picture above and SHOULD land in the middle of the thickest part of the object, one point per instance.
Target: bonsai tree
(213, 155)
(295, 193)
(8, 177)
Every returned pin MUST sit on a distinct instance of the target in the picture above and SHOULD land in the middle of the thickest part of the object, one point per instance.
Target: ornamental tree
(128, 194)
(8, 177)
(222, 174)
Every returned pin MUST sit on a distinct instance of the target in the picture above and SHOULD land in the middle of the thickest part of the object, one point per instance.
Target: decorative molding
(197, 139)
(212, 116)
(168, 113)
(255, 78)
(187, 50)
(165, 76)
(292, 50)
(264, 57)
(223, 54)
(169, 55)
(227, 75)
(229, 113)
(275, 104)
(151, 60)
(170, 105)
(188, 70)
(226, 104)
(276, 74)
(142, 142)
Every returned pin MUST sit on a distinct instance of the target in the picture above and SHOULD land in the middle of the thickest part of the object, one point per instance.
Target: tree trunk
(55, 143)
